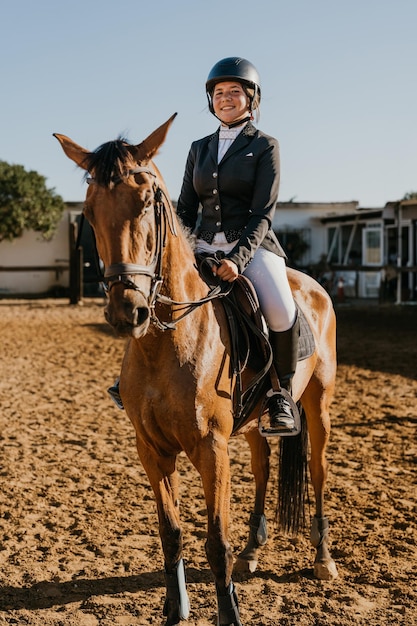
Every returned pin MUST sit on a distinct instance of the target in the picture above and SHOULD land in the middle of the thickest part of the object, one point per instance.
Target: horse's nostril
(141, 315)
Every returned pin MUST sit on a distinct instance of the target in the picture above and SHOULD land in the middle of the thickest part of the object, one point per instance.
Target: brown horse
(175, 380)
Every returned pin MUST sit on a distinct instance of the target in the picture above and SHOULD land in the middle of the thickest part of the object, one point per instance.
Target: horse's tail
(292, 480)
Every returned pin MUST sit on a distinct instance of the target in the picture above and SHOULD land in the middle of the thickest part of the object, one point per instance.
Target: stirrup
(264, 423)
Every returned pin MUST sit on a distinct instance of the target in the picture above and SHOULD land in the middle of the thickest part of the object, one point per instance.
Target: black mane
(109, 162)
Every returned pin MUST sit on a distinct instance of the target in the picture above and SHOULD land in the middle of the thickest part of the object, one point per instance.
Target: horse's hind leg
(247, 560)
(316, 405)
(163, 476)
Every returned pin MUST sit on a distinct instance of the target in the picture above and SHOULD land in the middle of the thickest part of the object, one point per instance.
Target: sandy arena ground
(79, 544)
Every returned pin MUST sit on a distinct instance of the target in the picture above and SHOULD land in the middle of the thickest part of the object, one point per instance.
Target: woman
(233, 176)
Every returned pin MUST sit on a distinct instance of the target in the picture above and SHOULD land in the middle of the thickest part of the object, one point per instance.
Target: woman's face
(230, 102)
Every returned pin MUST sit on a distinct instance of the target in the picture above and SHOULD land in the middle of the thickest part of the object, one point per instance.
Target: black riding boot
(285, 351)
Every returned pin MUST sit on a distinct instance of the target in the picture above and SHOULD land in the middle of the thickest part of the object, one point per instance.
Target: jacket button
(217, 208)
(218, 223)
(214, 191)
(214, 174)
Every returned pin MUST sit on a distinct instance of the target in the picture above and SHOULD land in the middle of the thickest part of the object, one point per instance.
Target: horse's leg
(247, 560)
(163, 477)
(316, 405)
(211, 459)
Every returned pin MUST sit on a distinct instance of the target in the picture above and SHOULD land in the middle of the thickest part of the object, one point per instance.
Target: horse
(176, 381)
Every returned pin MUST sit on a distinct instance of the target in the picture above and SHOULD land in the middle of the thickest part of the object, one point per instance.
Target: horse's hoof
(245, 566)
(325, 570)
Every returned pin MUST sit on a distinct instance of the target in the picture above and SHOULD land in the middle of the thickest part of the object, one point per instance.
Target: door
(372, 254)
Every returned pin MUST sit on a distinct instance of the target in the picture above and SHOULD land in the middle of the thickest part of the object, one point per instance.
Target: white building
(30, 265)
(303, 221)
(357, 244)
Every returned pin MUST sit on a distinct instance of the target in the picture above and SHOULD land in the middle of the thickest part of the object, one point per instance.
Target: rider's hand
(227, 270)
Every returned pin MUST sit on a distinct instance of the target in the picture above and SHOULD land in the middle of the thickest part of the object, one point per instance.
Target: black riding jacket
(237, 195)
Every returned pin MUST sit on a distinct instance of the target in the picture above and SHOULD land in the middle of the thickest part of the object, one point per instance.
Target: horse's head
(127, 207)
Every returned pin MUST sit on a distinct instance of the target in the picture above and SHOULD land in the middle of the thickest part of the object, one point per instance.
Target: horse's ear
(73, 151)
(146, 150)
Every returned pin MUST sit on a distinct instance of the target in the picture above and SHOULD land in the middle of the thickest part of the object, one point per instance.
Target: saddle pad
(306, 345)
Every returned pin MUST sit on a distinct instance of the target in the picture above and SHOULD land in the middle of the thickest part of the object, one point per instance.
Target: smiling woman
(234, 174)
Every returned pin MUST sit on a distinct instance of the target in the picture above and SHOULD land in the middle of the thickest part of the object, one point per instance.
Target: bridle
(122, 273)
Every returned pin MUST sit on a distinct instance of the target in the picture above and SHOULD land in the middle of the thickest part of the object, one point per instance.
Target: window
(372, 245)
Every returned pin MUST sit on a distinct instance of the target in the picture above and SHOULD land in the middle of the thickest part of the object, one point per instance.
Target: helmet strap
(238, 123)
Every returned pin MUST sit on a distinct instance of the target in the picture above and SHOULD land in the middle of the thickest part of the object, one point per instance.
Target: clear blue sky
(339, 86)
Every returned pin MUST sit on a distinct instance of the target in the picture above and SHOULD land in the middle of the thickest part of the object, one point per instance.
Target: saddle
(250, 346)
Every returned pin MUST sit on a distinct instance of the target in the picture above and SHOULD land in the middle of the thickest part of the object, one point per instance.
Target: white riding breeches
(267, 272)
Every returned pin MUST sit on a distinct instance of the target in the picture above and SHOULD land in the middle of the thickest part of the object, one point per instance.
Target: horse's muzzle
(128, 313)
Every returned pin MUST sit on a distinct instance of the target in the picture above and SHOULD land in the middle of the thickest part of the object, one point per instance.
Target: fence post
(76, 267)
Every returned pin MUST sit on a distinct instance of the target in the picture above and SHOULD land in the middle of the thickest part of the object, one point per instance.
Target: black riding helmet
(235, 68)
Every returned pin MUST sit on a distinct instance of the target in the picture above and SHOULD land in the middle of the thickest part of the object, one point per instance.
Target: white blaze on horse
(176, 382)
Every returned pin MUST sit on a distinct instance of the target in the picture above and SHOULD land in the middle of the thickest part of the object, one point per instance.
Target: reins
(121, 272)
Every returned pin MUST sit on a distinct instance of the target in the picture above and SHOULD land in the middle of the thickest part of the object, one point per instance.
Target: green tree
(411, 195)
(26, 203)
